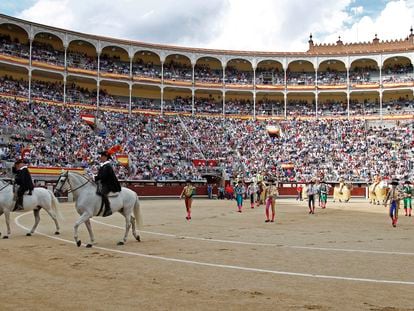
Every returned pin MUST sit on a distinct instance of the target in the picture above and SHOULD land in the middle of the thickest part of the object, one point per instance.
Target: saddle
(113, 194)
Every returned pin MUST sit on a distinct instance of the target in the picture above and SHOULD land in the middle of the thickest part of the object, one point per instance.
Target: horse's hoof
(88, 245)
(78, 243)
(5, 237)
(120, 243)
(138, 238)
(28, 234)
(57, 233)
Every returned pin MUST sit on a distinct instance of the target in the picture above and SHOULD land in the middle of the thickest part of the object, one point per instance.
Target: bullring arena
(341, 111)
(345, 257)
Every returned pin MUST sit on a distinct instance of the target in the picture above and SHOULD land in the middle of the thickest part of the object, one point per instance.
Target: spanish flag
(123, 159)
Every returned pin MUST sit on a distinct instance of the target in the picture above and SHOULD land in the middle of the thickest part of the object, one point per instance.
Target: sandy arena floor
(347, 257)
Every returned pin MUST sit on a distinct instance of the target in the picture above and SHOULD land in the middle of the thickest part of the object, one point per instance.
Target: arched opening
(270, 104)
(14, 41)
(239, 72)
(239, 103)
(48, 51)
(300, 104)
(208, 102)
(14, 81)
(397, 102)
(114, 95)
(178, 70)
(364, 103)
(80, 91)
(82, 58)
(300, 75)
(208, 71)
(147, 98)
(177, 100)
(332, 104)
(146, 67)
(114, 63)
(270, 73)
(397, 71)
(364, 73)
(47, 86)
(332, 73)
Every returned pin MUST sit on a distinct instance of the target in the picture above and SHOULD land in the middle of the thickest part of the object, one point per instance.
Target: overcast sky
(261, 25)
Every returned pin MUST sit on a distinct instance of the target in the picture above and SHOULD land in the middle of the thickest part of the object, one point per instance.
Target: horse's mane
(84, 177)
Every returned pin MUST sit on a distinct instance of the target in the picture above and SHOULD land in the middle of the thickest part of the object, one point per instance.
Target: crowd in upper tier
(180, 69)
(54, 91)
(163, 147)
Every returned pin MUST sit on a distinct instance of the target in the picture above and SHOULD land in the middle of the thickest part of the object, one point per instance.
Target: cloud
(393, 22)
(262, 25)
(157, 21)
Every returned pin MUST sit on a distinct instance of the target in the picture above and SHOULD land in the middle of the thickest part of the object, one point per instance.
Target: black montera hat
(19, 161)
(105, 154)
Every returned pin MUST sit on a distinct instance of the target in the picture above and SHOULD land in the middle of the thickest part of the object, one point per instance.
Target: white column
(130, 99)
(162, 100)
(130, 68)
(65, 71)
(380, 90)
(64, 89)
(30, 86)
(380, 102)
(162, 87)
(348, 92)
(316, 104)
(254, 104)
(224, 90)
(285, 103)
(224, 102)
(97, 81)
(192, 100)
(348, 100)
(254, 93)
(30, 71)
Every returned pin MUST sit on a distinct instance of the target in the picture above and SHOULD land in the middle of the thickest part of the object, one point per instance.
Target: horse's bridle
(67, 180)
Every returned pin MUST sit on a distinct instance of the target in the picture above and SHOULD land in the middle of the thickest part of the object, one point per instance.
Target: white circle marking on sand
(263, 244)
(240, 268)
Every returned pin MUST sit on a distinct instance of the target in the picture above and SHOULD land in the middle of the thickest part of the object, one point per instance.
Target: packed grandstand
(344, 110)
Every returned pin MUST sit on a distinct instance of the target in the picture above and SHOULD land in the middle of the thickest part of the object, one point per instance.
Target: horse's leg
(91, 236)
(84, 217)
(127, 227)
(36, 214)
(134, 231)
(55, 220)
(7, 217)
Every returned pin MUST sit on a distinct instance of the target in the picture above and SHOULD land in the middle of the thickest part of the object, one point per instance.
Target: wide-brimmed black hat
(20, 161)
(105, 154)
(394, 182)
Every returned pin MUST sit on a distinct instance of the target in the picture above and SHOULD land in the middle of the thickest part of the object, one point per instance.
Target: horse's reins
(5, 186)
(67, 180)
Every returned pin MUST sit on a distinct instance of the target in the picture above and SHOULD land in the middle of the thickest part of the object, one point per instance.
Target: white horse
(40, 198)
(88, 204)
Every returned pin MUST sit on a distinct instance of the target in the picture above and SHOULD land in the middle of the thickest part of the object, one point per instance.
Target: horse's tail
(55, 204)
(137, 213)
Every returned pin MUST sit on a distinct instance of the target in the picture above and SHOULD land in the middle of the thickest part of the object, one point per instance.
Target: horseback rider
(24, 182)
(106, 181)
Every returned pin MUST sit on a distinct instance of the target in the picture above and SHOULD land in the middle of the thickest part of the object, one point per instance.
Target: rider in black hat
(24, 182)
(106, 180)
